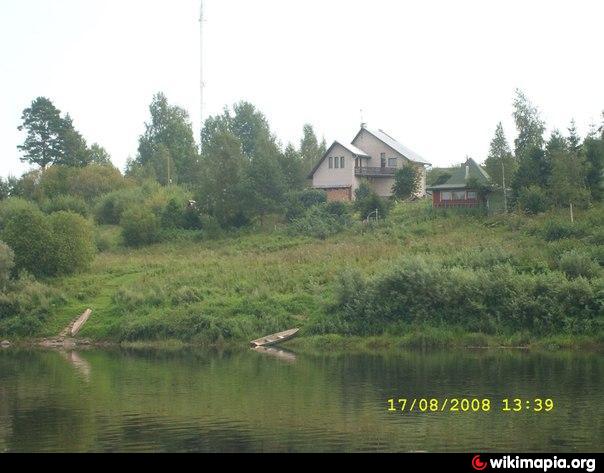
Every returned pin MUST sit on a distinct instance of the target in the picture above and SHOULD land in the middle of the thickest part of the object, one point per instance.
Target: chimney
(363, 125)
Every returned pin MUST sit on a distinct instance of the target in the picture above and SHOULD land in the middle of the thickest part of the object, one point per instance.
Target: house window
(446, 196)
(383, 160)
(356, 162)
(392, 162)
(342, 162)
(330, 162)
(337, 162)
(471, 195)
(459, 195)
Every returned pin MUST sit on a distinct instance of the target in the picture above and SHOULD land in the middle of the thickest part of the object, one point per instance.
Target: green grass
(240, 287)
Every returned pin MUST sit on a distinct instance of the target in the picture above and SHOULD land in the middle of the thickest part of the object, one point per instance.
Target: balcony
(374, 172)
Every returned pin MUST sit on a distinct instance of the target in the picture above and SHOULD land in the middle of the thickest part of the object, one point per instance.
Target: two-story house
(373, 156)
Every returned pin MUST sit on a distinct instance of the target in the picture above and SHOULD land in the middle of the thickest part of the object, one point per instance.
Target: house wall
(438, 202)
(374, 148)
(339, 194)
(382, 186)
(325, 177)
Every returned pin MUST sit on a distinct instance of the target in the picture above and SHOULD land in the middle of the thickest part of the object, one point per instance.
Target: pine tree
(43, 144)
(501, 162)
(574, 140)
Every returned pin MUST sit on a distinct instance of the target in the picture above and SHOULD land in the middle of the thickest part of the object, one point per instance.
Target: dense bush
(140, 226)
(367, 201)
(557, 229)
(419, 291)
(88, 183)
(27, 231)
(576, 264)
(322, 220)
(406, 181)
(111, 206)
(60, 243)
(108, 237)
(24, 306)
(532, 200)
(73, 246)
(68, 203)
(480, 258)
(298, 202)
(7, 263)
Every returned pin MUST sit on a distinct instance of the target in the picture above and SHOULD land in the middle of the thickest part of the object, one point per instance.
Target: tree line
(540, 172)
(242, 171)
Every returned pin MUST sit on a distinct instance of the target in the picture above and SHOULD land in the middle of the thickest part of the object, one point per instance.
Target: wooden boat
(274, 338)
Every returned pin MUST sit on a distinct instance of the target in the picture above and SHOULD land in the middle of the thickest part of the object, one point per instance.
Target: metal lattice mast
(201, 81)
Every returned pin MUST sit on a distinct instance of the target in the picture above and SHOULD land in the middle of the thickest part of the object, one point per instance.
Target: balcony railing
(366, 171)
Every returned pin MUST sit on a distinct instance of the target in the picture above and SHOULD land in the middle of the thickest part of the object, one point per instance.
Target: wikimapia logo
(542, 464)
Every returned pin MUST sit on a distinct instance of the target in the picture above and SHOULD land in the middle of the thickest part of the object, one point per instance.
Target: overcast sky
(438, 76)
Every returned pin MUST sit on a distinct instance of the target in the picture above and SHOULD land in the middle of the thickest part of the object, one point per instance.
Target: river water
(247, 401)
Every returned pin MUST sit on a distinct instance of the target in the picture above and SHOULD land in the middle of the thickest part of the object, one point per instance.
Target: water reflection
(121, 400)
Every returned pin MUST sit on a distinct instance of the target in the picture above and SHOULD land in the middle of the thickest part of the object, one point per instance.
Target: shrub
(68, 203)
(140, 226)
(95, 180)
(481, 257)
(337, 209)
(367, 201)
(406, 181)
(108, 237)
(322, 221)
(7, 263)
(575, 264)
(557, 229)
(73, 245)
(27, 231)
(298, 202)
(532, 199)
(110, 208)
(172, 215)
(25, 305)
(488, 300)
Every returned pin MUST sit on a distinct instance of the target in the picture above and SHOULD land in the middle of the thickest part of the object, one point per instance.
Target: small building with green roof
(466, 187)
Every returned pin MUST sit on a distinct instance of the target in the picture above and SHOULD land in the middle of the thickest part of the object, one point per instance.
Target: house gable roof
(393, 144)
(458, 177)
(353, 149)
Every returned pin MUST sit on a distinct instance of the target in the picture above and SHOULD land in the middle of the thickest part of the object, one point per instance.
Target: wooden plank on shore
(78, 324)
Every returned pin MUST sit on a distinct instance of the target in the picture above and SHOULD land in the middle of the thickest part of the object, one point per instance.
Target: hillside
(236, 288)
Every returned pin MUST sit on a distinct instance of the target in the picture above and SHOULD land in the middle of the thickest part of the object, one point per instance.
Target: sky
(436, 75)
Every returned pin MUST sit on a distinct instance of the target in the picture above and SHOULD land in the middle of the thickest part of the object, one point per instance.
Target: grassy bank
(477, 281)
